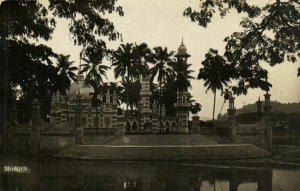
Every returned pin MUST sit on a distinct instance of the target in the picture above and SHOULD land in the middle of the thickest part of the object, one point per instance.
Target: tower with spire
(183, 104)
(145, 111)
(182, 54)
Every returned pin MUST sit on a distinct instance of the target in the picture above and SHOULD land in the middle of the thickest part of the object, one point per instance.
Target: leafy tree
(195, 108)
(215, 73)
(271, 34)
(29, 66)
(88, 22)
(22, 61)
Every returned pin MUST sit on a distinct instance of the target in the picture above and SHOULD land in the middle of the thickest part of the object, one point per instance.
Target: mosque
(75, 109)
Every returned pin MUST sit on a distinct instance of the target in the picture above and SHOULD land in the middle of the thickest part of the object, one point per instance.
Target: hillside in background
(277, 107)
(280, 111)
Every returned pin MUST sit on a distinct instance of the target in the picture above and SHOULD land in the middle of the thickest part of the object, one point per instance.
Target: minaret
(182, 105)
(231, 119)
(145, 111)
(258, 110)
(80, 77)
(268, 120)
(182, 54)
(154, 117)
(114, 107)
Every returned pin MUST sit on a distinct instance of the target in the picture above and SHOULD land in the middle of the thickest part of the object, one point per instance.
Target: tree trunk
(97, 116)
(160, 105)
(215, 91)
(127, 98)
(67, 109)
(160, 99)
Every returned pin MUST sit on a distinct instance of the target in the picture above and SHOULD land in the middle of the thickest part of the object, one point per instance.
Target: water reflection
(52, 174)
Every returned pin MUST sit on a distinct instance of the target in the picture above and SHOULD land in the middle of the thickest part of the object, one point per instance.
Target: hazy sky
(161, 23)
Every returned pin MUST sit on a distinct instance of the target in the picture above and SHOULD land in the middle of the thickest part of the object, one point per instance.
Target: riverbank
(182, 147)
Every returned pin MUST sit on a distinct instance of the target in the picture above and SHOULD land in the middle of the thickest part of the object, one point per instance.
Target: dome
(182, 50)
(83, 89)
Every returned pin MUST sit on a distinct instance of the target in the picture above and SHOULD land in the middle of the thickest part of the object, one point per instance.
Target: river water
(22, 174)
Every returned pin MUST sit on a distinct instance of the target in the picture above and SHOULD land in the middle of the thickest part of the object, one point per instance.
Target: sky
(161, 23)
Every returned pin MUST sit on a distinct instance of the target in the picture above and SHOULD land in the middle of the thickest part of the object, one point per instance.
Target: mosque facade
(75, 109)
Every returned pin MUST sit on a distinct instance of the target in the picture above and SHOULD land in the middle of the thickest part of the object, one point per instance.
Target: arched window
(134, 126)
(183, 99)
(127, 127)
(167, 127)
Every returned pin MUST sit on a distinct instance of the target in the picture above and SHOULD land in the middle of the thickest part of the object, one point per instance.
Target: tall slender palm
(95, 99)
(182, 78)
(66, 75)
(162, 68)
(182, 75)
(142, 55)
(216, 73)
(134, 88)
(122, 63)
(94, 77)
(94, 71)
(114, 87)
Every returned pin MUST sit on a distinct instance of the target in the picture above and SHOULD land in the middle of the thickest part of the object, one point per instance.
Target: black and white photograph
(149, 95)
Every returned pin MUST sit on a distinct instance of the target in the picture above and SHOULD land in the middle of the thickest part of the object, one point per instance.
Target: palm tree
(123, 59)
(94, 72)
(134, 88)
(182, 75)
(142, 54)
(114, 87)
(66, 74)
(215, 72)
(95, 99)
(162, 67)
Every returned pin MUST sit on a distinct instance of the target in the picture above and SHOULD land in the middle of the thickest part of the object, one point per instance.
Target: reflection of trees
(86, 176)
(195, 183)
